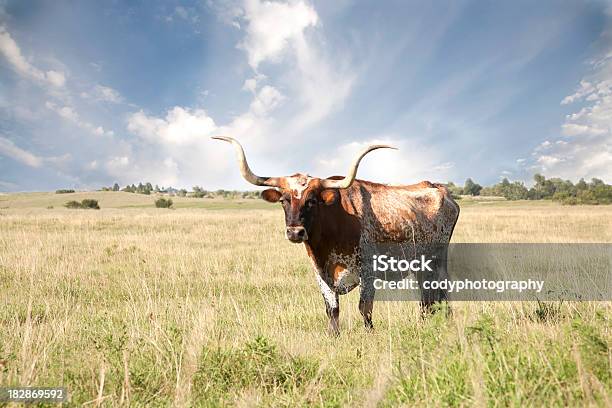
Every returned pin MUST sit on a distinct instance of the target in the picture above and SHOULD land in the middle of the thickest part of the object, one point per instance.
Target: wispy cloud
(587, 150)
(68, 113)
(278, 32)
(274, 28)
(9, 149)
(12, 52)
(103, 93)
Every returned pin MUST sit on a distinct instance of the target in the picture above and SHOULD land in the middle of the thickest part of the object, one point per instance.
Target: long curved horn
(244, 166)
(352, 173)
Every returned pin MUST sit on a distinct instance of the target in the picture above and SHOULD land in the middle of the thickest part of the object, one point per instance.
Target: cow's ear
(329, 196)
(271, 195)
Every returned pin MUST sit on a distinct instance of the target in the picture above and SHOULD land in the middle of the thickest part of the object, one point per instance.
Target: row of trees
(593, 192)
(469, 188)
(198, 192)
(146, 188)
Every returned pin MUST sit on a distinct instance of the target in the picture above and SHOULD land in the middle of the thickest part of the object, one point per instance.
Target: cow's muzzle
(297, 234)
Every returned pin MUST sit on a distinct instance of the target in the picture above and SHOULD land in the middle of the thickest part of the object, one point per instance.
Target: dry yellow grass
(201, 307)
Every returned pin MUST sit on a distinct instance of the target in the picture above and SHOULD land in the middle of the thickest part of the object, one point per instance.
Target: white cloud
(180, 126)
(9, 149)
(268, 99)
(386, 165)
(584, 89)
(587, 149)
(316, 77)
(104, 94)
(180, 141)
(273, 27)
(56, 78)
(548, 161)
(276, 32)
(65, 112)
(117, 163)
(251, 84)
(69, 114)
(184, 126)
(573, 129)
(12, 52)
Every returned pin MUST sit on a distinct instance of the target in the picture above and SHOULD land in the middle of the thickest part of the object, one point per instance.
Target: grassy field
(209, 305)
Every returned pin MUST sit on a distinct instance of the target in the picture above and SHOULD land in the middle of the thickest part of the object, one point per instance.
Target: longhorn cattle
(335, 217)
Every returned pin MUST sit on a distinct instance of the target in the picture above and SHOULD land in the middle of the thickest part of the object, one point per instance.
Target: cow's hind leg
(366, 301)
(365, 307)
(433, 300)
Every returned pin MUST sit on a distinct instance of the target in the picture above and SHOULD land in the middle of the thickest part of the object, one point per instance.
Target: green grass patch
(226, 373)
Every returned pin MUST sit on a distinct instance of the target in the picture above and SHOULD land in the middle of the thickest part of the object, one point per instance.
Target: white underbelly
(346, 281)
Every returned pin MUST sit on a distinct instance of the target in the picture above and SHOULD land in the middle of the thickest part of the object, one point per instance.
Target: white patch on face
(297, 184)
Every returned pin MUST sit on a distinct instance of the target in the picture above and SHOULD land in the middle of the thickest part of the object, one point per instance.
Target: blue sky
(93, 93)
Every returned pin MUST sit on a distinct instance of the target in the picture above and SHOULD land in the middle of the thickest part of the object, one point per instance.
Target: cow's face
(302, 198)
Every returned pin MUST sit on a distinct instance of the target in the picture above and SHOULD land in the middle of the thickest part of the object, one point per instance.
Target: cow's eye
(311, 202)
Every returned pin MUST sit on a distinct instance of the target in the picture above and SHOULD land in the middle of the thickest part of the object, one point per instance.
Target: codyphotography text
(454, 286)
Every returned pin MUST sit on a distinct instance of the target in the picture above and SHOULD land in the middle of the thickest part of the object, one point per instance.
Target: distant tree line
(197, 191)
(564, 191)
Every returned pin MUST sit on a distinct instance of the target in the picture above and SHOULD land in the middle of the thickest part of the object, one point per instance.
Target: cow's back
(420, 213)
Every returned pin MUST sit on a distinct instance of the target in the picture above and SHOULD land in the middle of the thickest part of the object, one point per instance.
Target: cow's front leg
(332, 306)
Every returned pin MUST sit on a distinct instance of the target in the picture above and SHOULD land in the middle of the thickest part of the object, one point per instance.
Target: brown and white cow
(336, 216)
